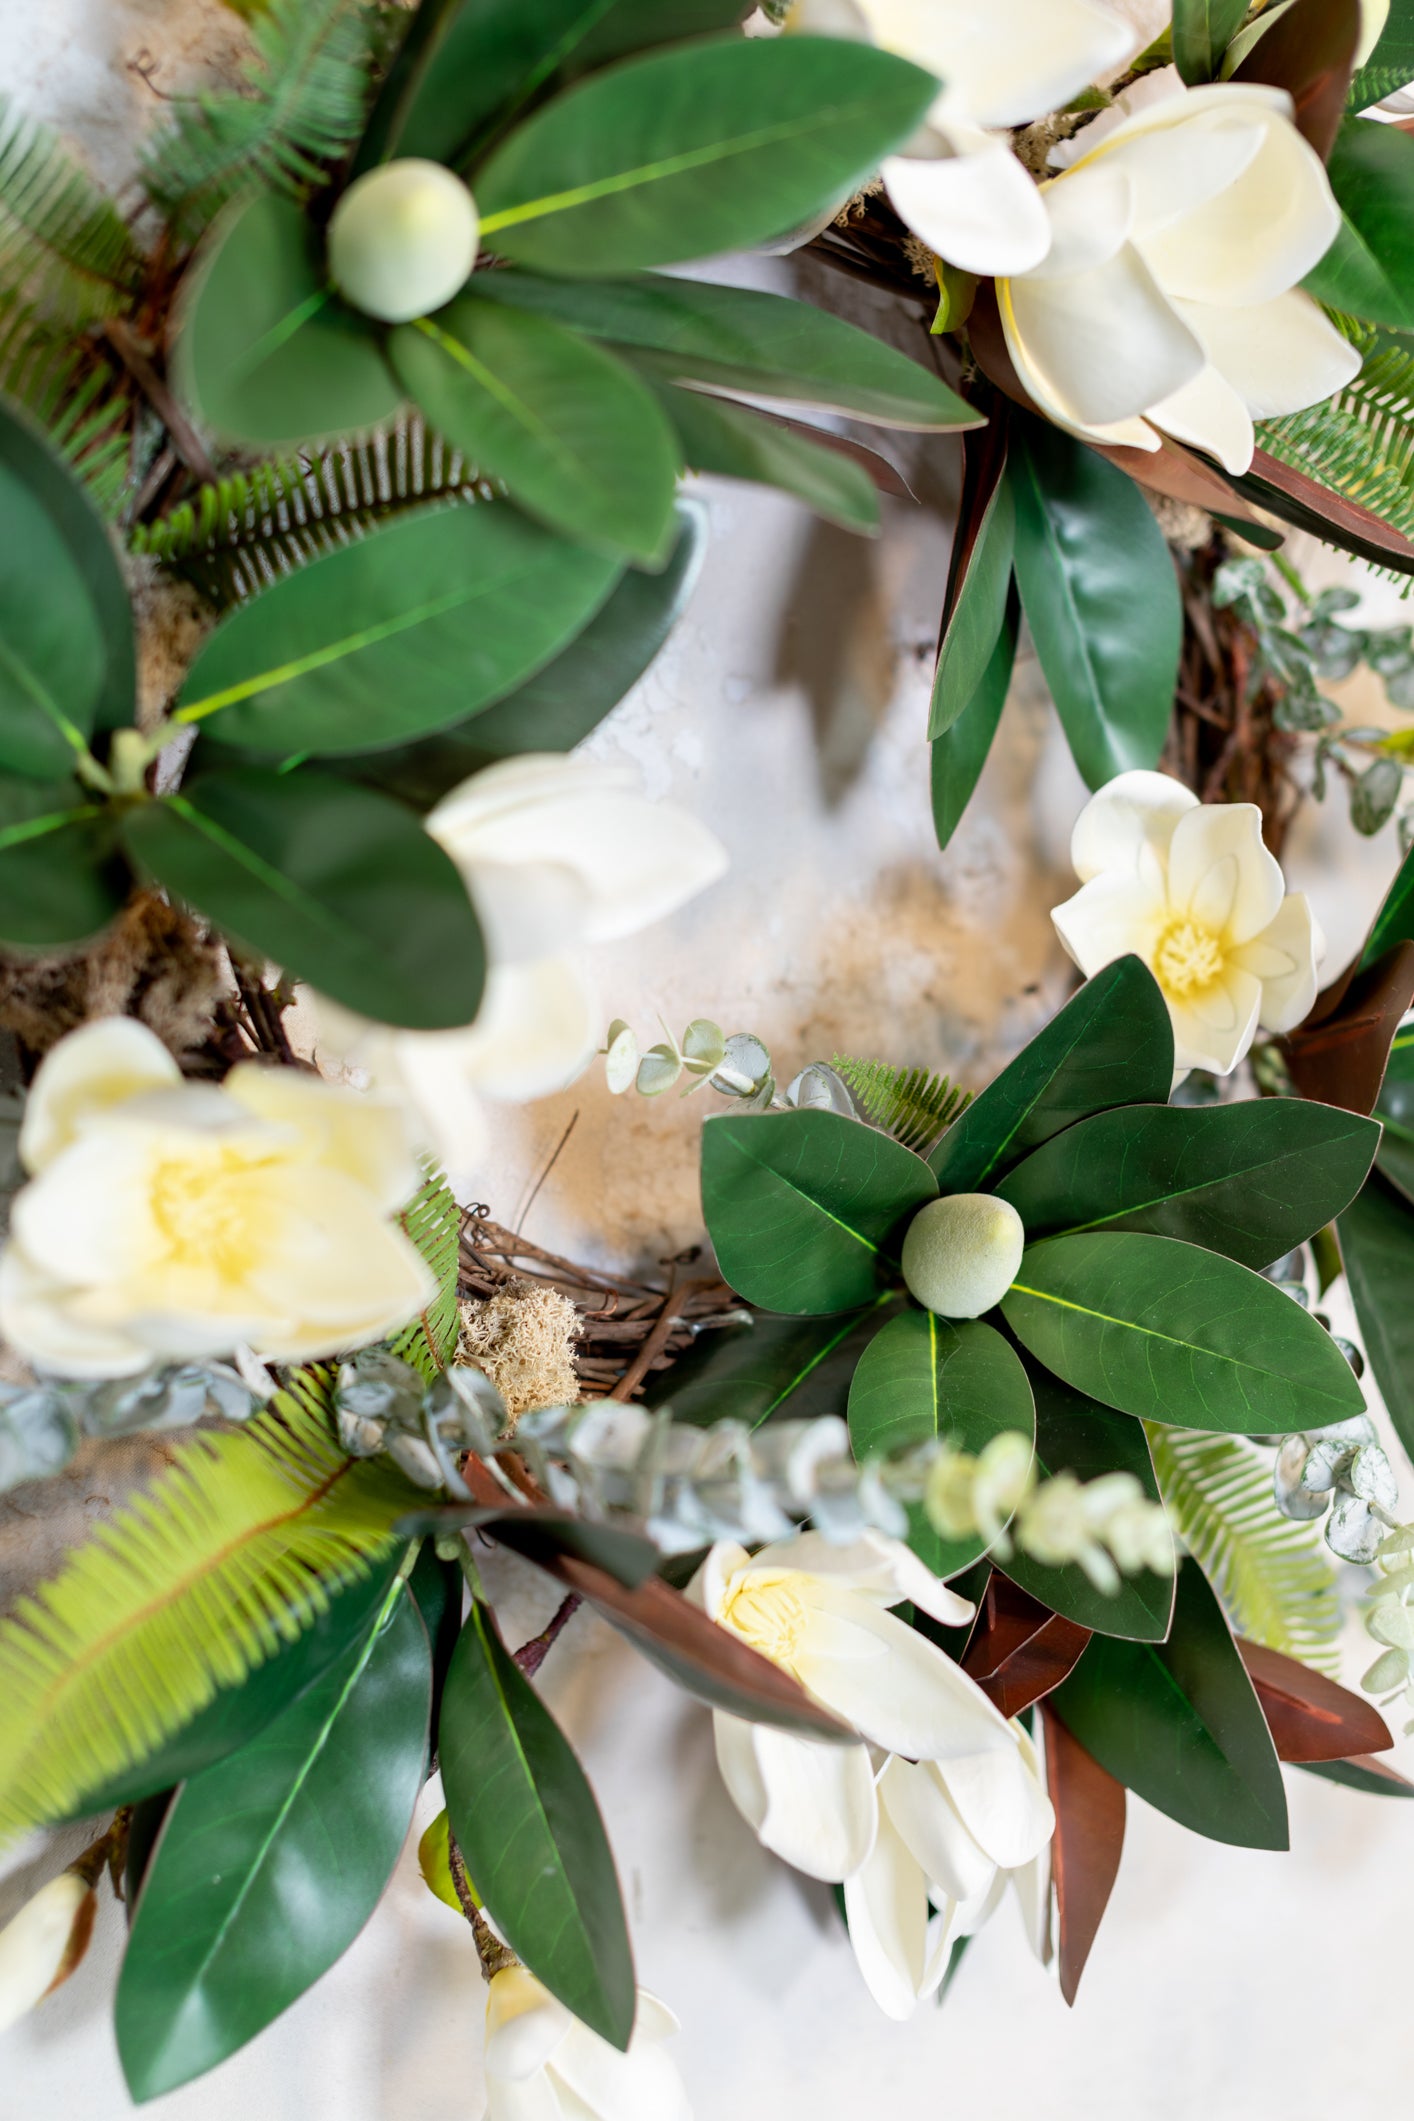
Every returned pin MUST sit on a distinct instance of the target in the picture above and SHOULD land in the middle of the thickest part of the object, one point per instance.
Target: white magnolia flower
(1001, 63)
(821, 1612)
(174, 1219)
(542, 2064)
(1169, 296)
(934, 1876)
(558, 853)
(1190, 888)
(41, 1946)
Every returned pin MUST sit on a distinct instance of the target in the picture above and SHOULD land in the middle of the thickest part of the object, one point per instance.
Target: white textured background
(788, 711)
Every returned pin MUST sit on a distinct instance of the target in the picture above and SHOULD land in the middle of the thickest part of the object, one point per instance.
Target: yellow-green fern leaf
(1274, 1575)
(909, 1103)
(236, 1549)
(433, 1221)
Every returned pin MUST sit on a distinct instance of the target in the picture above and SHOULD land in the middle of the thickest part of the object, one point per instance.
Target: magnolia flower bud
(41, 1947)
(961, 1253)
(403, 240)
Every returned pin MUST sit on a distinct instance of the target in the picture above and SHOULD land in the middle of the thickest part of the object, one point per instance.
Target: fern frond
(433, 1220)
(1360, 443)
(909, 1103)
(1275, 1576)
(238, 536)
(1373, 83)
(81, 401)
(234, 1550)
(62, 243)
(302, 105)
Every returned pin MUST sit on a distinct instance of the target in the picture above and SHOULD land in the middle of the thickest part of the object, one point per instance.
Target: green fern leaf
(1360, 443)
(909, 1103)
(236, 537)
(302, 106)
(80, 399)
(1373, 83)
(433, 1220)
(63, 245)
(236, 1548)
(1275, 1576)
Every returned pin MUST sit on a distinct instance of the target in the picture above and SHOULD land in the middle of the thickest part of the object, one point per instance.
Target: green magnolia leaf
(1074, 1435)
(239, 1714)
(1395, 1111)
(1250, 1180)
(405, 631)
(268, 355)
(1100, 594)
(59, 878)
(708, 147)
(526, 1822)
(469, 66)
(1175, 1334)
(580, 442)
(806, 1210)
(925, 1379)
(979, 613)
(270, 1863)
(561, 704)
(960, 753)
(1357, 1775)
(1369, 269)
(1112, 1044)
(737, 337)
(340, 886)
(795, 1367)
(1179, 1723)
(1391, 63)
(1202, 32)
(1394, 923)
(1377, 1244)
(737, 443)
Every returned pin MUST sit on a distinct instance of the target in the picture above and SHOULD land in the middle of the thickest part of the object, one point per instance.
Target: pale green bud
(961, 1253)
(403, 240)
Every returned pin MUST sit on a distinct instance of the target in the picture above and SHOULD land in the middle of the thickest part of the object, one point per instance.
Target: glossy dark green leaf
(1394, 923)
(960, 753)
(1377, 1244)
(978, 618)
(1391, 63)
(736, 443)
(1179, 1723)
(1369, 1776)
(470, 67)
(1250, 1180)
(408, 630)
(1101, 598)
(340, 886)
(63, 508)
(53, 655)
(794, 1367)
(806, 1210)
(580, 442)
(270, 1862)
(558, 707)
(239, 1714)
(526, 1821)
(926, 1379)
(1112, 1044)
(1175, 1334)
(707, 147)
(1395, 1111)
(1075, 1435)
(59, 878)
(745, 340)
(1369, 269)
(439, 1589)
(268, 355)
(1202, 32)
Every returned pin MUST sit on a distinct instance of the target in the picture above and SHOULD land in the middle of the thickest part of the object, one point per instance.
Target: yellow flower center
(769, 1613)
(1188, 958)
(212, 1210)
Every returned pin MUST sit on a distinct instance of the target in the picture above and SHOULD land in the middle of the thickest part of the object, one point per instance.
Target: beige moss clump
(524, 1338)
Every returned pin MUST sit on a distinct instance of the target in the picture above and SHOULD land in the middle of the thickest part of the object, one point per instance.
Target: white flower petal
(915, 1798)
(364, 1136)
(85, 1074)
(433, 1070)
(1175, 169)
(821, 1810)
(1374, 14)
(1010, 61)
(982, 212)
(1221, 872)
(886, 1907)
(1263, 233)
(535, 1031)
(1279, 356)
(1215, 1028)
(908, 1697)
(1110, 917)
(1001, 1803)
(35, 1943)
(1209, 414)
(1286, 958)
(642, 2085)
(1133, 812)
(525, 2024)
(875, 1566)
(38, 1322)
(1100, 346)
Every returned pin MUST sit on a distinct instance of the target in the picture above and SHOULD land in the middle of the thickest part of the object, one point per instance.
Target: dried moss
(524, 1339)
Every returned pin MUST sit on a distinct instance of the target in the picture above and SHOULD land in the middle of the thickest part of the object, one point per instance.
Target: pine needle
(913, 1106)
(192, 1585)
(1274, 1575)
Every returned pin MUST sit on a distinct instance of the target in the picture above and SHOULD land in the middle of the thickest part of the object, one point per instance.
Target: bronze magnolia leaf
(1310, 52)
(1019, 1649)
(1308, 1715)
(1089, 1841)
(1339, 1055)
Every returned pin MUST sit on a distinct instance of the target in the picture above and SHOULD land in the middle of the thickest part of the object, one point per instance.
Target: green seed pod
(403, 240)
(961, 1253)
